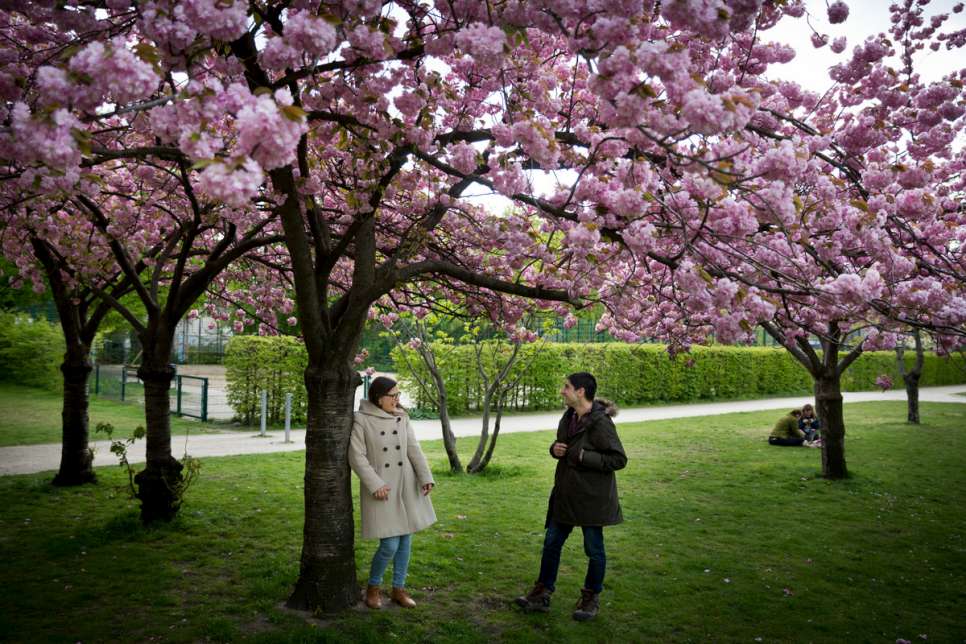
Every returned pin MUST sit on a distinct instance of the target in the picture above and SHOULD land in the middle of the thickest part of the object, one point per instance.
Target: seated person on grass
(786, 432)
(809, 423)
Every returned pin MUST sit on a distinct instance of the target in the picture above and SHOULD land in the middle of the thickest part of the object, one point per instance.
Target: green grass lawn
(725, 540)
(29, 416)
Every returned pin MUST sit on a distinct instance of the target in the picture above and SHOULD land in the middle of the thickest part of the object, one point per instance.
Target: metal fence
(189, 394)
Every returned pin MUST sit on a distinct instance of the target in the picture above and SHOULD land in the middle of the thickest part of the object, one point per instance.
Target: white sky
(866, 18)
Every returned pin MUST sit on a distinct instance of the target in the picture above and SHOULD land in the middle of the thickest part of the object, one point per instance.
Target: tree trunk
(327, 579)
(912, 397)
(828, 406)
(474, 465)
(449, 439)
(496, 434)
(159, 483)
(76, 457)
(911, 376)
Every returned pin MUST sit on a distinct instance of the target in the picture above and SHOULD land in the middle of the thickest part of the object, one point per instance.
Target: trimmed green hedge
(31, 351)
(634, 374)
(275, 364)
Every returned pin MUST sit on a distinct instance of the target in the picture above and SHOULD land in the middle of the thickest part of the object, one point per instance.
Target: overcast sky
(866, 18)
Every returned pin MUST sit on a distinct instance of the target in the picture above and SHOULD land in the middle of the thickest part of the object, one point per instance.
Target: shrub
(31, 351)
(634, 374)
(275, 364)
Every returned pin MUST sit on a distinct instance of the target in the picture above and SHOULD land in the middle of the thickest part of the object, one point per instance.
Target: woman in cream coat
(396, 483)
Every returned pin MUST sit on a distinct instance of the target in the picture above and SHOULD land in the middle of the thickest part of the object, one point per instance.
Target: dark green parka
(585, 491)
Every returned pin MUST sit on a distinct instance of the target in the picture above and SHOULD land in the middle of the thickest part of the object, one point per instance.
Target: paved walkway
(39, 458)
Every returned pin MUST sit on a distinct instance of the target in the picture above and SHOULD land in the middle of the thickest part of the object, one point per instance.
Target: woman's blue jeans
(557, 534)
(396, 549)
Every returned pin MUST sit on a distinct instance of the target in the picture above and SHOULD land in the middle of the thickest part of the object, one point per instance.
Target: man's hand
(382, 493)
(427, 489)
(559, 449)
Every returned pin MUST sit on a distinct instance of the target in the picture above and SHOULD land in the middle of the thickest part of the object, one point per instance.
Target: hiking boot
(536, 601)
(587, 605)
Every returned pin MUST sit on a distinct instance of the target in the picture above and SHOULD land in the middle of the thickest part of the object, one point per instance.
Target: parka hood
(606, 406)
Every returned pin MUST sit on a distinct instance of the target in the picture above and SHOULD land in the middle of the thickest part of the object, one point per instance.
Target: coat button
(387, 464)
(400, 463)
(382, 433)
(398, 419)
(397, 446)
(385, 449)
(394, 431)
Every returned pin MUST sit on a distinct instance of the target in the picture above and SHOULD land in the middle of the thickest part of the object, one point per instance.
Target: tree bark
(828, 405)
(912, 398)
(449, 439)
(327, 578)
(474, 465)
(494, 436)
(76, 457)
(911, 378)
(158, 484)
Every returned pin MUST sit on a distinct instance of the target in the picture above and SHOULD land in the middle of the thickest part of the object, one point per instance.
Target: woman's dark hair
(379, 387)
(586, 381)
(808, 407)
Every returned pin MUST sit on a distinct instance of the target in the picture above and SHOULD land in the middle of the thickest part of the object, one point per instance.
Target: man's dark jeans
(557, 534)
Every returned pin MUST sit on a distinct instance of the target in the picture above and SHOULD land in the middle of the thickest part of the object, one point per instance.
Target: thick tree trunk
(828, 406)
(912, 397)
(76, 457)
(327, 579)
(158, 485)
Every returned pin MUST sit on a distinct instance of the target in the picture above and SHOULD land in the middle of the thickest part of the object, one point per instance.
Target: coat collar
(597, 409)
(371, 409)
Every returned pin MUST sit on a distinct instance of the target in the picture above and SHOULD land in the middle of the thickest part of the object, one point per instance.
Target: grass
(725, 539)
(29, 416)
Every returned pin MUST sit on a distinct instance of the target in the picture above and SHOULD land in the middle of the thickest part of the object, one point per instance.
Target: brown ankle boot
(587, 606)
(373, 597)
(401, 597)
(537, 600)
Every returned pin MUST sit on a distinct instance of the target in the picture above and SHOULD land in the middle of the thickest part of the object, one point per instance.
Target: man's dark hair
(585, 381)
(379, 387)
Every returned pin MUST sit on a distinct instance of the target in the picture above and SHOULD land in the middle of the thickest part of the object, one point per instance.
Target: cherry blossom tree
(829, 215)
(80, 313)
(694, 195)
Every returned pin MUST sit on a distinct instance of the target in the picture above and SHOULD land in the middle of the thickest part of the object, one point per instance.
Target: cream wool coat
(383, 451)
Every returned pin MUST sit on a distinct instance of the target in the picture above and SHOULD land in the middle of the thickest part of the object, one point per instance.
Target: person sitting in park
(396, 482)
(786, 432)
(809, 423)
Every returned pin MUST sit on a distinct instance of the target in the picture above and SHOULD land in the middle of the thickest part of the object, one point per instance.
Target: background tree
(499, 364)
(910, 376)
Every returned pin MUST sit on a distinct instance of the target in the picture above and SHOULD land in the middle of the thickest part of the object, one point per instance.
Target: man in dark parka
(588, 452)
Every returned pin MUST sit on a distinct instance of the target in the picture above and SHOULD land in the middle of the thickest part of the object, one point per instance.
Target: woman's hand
(428, 488)
(382, 493)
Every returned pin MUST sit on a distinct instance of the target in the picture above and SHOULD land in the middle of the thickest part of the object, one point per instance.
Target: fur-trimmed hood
(609, 407)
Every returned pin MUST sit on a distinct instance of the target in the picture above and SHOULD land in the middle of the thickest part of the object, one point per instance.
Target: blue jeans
(557, 534)
(396, 549)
